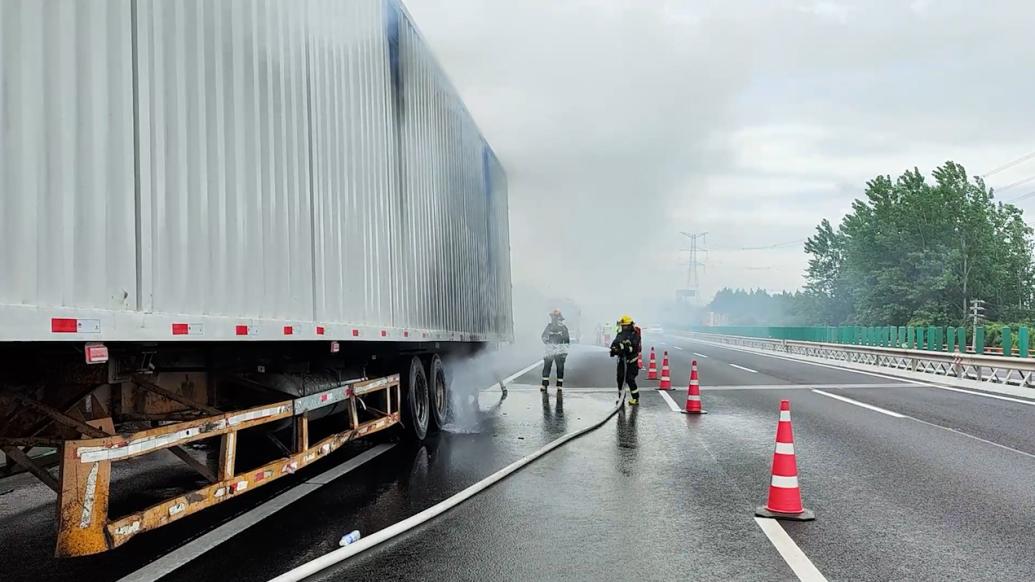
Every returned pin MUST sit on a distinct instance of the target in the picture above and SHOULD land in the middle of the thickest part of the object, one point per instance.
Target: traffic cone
(693, 393)
(666, 382)
(784, 493)
(652, 367)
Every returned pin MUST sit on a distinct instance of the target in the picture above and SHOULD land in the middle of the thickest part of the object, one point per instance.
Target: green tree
(910, 249)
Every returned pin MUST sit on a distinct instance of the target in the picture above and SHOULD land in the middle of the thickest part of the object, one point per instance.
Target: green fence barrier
(950, 339)
(979, 340)
(1022, 341)
(1006, 341)
(961, 337)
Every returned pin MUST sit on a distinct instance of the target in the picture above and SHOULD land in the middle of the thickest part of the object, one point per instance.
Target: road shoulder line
(193, 549)
(799, 563)
(671, 403)
(743, 368)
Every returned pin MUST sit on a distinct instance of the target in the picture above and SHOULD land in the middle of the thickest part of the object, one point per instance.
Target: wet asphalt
(942, 493)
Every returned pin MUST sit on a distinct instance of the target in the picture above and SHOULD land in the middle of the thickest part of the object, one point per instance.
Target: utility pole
(693, 279)
(977, 311)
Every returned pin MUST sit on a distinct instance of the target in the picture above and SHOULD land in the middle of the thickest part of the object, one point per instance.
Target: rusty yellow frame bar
(83, 524)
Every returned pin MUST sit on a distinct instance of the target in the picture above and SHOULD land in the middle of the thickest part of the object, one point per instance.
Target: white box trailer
(198, 197)
(224, 164)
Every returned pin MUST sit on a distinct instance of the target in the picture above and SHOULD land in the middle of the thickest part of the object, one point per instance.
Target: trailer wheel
(415, 409)
(438, 391)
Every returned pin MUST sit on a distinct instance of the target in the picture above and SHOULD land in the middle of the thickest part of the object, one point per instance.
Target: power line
(1017, 183)
(1009, 165)
(1022, 197)
(775, 246)
(766, 247)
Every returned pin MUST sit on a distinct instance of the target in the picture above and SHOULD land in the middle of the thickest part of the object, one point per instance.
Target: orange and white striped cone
(784, 493)
(666, 382)
(652, 367)
(693, 393)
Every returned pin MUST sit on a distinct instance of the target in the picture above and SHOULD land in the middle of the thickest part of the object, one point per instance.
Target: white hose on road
(340, 555)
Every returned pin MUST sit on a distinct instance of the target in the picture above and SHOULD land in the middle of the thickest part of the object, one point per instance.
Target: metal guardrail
(964, 366)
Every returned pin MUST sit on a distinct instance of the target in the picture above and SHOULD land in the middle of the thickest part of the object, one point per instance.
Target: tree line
(911, 251)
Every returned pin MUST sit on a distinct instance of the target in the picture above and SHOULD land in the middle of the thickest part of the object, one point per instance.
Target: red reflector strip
(406, 333)
(320, 330)
(241, 330)
(288, 330)
(180, 328)
(384, 333)
(62, 325)
(324, 397)
(355, 333)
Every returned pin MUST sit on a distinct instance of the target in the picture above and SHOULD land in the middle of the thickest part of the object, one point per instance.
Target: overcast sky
(623, 122)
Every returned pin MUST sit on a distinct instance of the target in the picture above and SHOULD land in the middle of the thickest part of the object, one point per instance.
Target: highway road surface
(908, 482)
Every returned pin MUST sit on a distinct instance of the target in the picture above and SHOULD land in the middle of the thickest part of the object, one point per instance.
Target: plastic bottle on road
(349, 538)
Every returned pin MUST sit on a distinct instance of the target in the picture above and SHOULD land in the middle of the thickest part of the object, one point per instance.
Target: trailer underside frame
(84, 459)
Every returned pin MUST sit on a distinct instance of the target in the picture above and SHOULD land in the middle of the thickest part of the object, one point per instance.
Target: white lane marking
(800, 564)
(806, 386)
(970, 436)
(677, 347)
(931, 424)
(864, 372)
(745, 369)
(862, 404)
(700, 355)
(193, 549)
(886, 376)
(671, 403)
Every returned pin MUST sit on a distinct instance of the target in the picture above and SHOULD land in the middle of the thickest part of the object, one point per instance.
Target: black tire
(438, 393)
(415, 405)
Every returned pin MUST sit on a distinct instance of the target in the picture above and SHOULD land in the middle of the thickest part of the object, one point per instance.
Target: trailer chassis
(84, 462)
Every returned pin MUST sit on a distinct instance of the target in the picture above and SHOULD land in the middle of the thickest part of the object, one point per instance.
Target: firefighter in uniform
(556, 340)
(626, 347)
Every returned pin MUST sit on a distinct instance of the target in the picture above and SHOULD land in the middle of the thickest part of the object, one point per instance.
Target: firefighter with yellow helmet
(626, 347)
